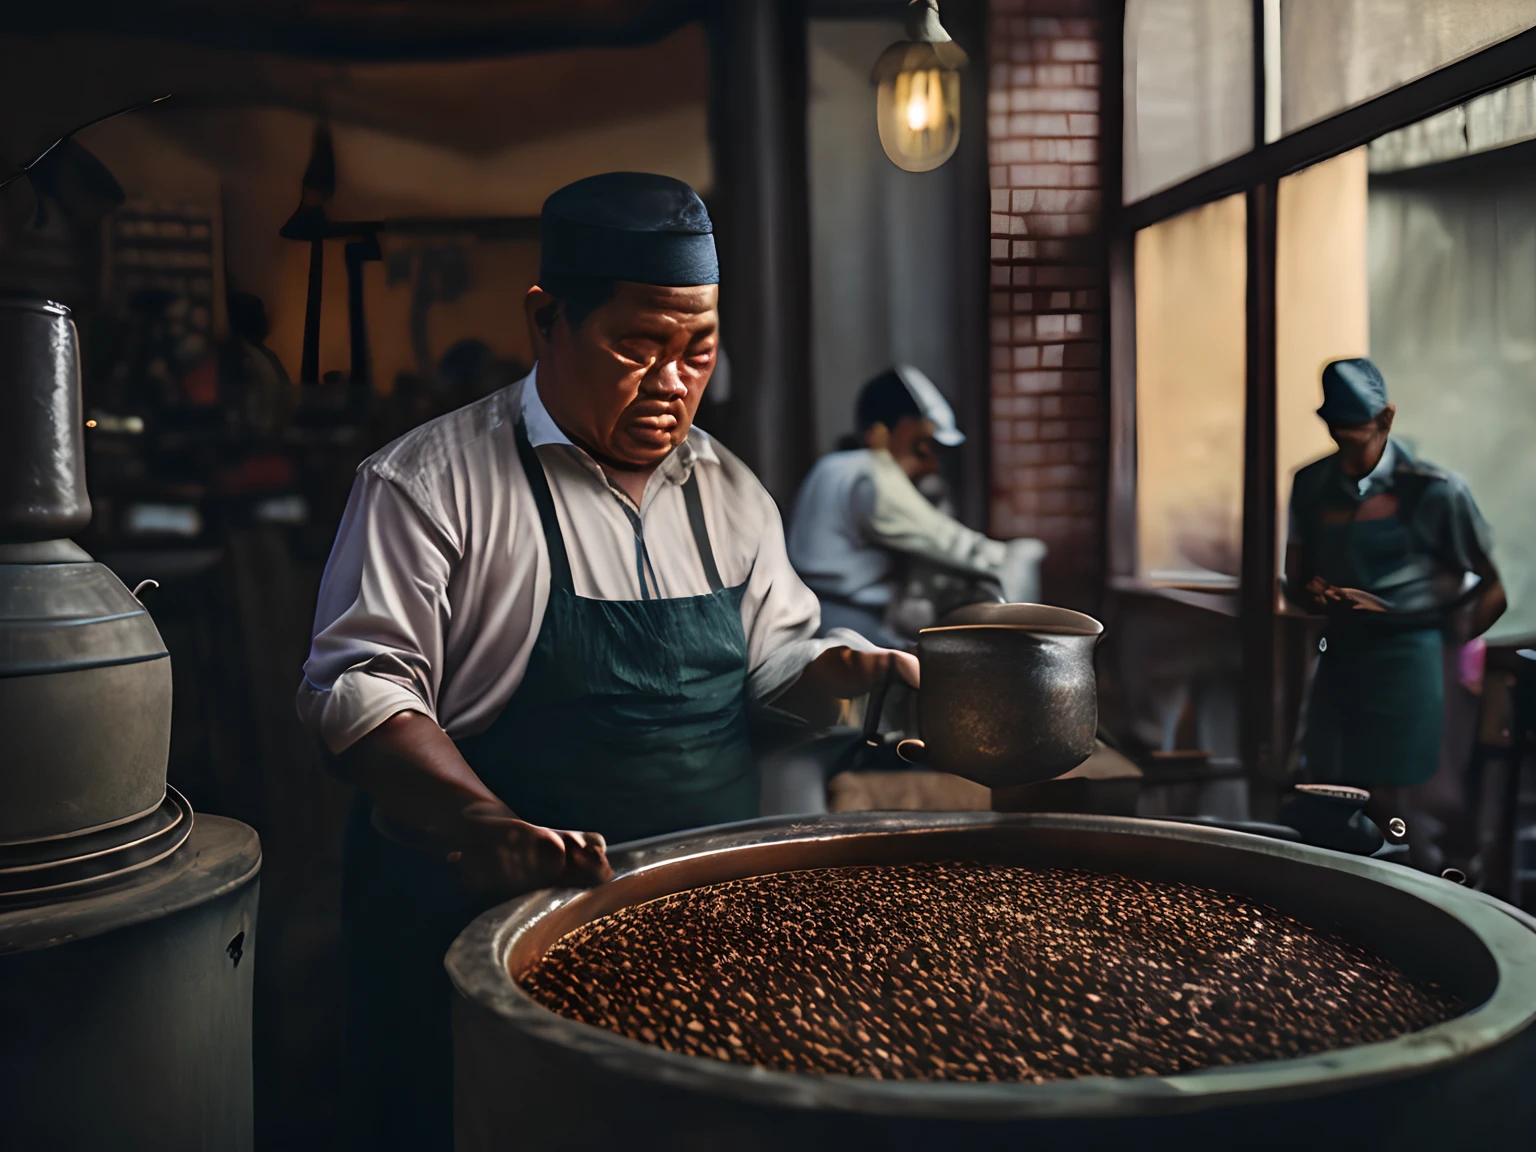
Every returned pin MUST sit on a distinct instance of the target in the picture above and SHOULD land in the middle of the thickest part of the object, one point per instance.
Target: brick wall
(1048, 383)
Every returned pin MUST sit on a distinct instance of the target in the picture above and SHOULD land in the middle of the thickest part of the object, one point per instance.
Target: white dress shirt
(858, 512)
(436, 586)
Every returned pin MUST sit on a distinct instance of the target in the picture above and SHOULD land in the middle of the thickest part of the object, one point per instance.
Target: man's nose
(667, 381)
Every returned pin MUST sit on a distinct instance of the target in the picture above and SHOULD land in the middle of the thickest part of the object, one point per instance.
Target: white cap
(931, 403)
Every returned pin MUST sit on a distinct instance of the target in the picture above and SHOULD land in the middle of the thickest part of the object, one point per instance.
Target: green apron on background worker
(1382, 544)
(547, 623)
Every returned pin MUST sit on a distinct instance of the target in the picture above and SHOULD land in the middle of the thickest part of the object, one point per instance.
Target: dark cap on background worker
(1354, 392)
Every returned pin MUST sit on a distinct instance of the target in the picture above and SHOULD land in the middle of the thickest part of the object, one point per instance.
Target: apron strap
(554, 540)
(700, 530)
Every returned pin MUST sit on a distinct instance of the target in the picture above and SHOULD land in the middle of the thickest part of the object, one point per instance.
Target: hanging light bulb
(917, 102)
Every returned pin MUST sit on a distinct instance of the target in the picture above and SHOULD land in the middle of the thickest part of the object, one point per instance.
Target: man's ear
(542, 311)
(877, 436)
(1388, 414)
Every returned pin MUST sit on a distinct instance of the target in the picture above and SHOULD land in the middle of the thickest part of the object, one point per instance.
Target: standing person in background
(860, 525)
(1382, 544)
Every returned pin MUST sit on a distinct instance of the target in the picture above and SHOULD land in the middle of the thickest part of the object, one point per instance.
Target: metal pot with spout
(1008, 694)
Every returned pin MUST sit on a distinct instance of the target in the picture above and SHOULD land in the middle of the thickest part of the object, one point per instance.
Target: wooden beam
(1117, 509)
(966, 21)
(1121, 545)
(1259, 735)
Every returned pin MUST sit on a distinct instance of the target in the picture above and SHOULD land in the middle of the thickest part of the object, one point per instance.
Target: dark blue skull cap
(1354, 392)
(628, 226)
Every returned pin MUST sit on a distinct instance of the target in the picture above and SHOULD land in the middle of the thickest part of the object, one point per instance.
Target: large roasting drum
(528, 1077)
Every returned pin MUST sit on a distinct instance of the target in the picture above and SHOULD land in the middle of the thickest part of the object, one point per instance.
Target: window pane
(1188, 89)
(1338, 53)
(1322, 310)
(1191, 274)
(1453, 291)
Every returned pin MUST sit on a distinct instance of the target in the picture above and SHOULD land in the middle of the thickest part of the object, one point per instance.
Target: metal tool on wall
(310, 224)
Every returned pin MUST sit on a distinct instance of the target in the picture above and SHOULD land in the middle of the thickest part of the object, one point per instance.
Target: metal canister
(85, 679)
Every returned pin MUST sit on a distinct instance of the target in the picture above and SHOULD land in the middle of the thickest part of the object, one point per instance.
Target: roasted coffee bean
(961, 971)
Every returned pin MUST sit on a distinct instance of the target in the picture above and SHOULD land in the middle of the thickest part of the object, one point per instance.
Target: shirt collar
(1381, 475)
(542, 429)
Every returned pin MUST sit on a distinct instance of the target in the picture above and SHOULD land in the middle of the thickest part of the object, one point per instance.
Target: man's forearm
(903, 520)
(418, 780)
(1489, 607)
(963, 550)
(414, 773)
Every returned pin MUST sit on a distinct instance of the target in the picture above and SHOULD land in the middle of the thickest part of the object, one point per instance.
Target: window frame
(1255, 174)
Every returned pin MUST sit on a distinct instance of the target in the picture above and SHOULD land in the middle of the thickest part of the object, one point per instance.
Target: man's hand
(1363, 601)
(1327, 595)
(501, 855)
(1323, 593)
(843, 674)
(419, 781)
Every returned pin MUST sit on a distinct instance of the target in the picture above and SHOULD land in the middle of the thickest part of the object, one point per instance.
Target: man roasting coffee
(545, 624)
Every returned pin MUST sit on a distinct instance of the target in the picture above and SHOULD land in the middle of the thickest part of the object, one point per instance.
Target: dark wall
(761, 210)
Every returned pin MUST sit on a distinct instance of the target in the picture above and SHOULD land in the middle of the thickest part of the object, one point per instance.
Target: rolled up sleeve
(901, 518)
(781, 616)
(381, 617)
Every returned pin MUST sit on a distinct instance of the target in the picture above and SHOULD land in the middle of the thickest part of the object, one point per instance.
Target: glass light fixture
(917, 103)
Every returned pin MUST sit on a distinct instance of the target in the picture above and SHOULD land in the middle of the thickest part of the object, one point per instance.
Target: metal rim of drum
(478, 966)
(142, 843)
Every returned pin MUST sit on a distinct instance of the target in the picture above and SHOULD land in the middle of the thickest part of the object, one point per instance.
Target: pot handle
(876, 706)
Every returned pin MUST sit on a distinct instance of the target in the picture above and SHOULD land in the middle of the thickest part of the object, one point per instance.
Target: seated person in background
(872, 547)
(255, 382)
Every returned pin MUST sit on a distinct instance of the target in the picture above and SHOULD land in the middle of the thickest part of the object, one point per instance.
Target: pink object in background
(1469, 665)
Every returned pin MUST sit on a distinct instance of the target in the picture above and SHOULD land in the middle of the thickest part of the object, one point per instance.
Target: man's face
(913, 446)
(1361, 445)
(626, 383)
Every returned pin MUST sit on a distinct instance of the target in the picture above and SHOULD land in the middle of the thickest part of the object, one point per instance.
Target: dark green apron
(631, 720)
(1374, 711)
